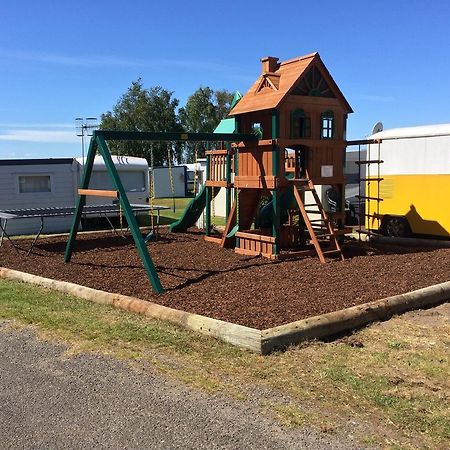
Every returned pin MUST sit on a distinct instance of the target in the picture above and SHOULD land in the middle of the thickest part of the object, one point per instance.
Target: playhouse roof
(281, 80)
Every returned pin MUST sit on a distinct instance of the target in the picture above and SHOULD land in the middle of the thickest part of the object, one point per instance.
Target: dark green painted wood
(275, 197)
(276, 220)
(239, 125)
(228, 180)
(236, 193)
(208, 199)
(275, 124)
(87, 170)
(172, 136)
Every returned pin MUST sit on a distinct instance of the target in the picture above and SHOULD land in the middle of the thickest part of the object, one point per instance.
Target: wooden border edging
(259, 341)
(241, 336)
(350, 318)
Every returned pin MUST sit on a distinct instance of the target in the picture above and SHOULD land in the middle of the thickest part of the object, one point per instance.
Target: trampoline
(42, 213)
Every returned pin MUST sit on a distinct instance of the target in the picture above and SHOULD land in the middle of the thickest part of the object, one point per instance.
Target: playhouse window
(257, 129)
(327, 125)
(34, 183)
(300, 124)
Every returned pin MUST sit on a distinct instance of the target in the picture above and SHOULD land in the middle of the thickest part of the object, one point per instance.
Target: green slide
(195, 208)
(192, 212)
(287, 201)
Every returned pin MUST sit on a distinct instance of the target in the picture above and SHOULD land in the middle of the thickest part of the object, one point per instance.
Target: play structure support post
(275, 199)
(228, 180)
(236, 191)
(275, 124)
(208, 199)
(87, 170)
(276, 174)
(238, 128)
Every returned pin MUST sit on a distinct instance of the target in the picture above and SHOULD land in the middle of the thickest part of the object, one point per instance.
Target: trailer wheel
(396, 226)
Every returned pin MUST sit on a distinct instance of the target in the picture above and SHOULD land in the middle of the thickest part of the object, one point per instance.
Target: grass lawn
(387, 384)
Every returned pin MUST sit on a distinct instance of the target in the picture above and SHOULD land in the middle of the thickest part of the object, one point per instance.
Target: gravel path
(51, 401)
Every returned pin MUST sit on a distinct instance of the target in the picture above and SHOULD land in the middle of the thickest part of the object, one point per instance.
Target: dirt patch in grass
(202, 278)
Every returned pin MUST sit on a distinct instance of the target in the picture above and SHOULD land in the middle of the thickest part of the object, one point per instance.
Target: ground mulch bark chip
(200, 277)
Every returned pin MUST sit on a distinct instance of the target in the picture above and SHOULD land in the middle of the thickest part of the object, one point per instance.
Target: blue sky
(62, 60)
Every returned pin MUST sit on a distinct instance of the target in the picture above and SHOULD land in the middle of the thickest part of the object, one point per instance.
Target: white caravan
(53, 182)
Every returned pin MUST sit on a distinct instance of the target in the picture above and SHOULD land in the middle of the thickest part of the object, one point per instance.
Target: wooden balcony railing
(217, 167)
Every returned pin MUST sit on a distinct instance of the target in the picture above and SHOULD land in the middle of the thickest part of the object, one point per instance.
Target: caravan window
(34, 183)
(133, 181)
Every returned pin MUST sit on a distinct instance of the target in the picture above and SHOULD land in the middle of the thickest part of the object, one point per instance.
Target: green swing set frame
(99, 144)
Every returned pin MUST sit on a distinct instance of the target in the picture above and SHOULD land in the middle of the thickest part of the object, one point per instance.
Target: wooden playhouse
(298, 115)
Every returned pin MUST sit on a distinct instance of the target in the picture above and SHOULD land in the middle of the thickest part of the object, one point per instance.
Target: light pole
(85, 127)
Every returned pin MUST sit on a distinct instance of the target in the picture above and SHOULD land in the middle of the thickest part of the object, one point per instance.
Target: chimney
(269, 64)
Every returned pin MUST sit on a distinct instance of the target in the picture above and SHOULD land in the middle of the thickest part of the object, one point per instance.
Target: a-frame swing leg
(126, 207)
(131, 219)
(87, 170)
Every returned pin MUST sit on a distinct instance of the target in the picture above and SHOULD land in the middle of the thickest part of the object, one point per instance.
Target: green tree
(204, 110)
(141, 109)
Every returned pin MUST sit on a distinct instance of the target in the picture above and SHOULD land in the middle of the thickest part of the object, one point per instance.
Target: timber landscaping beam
(336, 322)
(258, 341)
(238, 335)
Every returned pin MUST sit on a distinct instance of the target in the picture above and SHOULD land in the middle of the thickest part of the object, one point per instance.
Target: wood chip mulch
(202, 278)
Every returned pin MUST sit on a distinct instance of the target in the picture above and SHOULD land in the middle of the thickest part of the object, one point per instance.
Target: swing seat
(151, 237)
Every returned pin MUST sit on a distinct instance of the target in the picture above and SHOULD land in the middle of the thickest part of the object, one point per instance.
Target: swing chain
(120, 203)
(152, 187)
(169, 162)
(196, 169)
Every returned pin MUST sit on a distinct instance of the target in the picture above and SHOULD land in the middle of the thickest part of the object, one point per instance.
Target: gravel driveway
(49, 400)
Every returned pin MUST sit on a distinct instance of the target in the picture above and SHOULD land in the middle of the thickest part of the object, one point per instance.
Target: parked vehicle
(414, 182)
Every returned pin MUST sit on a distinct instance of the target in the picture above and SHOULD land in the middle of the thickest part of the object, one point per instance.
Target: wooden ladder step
(378, 199)
(321, 235)
(322, 229)
(371, 179)
(331, 252)
(304, 188)
(370, 161)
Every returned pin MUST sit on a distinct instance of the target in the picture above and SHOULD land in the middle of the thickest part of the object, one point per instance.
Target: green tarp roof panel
(226, 126)
(236, 97)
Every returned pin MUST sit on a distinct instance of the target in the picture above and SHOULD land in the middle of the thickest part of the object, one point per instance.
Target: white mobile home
(199, 169)
(53, 182)
(415, 181)
(160, 177)
(133, 173)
